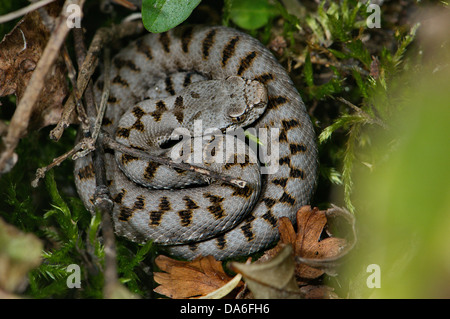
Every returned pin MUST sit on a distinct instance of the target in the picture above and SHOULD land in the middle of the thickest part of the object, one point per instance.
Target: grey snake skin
(227, 79)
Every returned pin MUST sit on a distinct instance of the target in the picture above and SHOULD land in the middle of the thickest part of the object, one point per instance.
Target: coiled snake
(225, 79)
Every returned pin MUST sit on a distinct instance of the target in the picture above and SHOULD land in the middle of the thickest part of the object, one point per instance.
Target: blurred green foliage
(403, 202)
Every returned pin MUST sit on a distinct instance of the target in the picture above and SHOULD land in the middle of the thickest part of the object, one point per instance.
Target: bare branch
(23, 11)
(108, 141)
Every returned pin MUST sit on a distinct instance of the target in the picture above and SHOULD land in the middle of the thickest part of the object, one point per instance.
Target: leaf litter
(292, 269)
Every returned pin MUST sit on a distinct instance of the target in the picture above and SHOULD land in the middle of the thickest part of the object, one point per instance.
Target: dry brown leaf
(189, 279)
(20, 51)
(307, 241)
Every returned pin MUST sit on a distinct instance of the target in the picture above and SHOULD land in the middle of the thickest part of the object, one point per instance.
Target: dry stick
(101, 38)
(96, 126)
(111, 143)
(80, 53)
(79, 104)
(24, 11)
(102, 198)
(104, 205)
(21, 117)
(40, 172)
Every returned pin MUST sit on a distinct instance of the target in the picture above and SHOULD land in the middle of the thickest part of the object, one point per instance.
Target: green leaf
(251, 14)
(162, 15)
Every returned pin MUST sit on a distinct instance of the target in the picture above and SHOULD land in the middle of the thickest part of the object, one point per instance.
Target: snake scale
(227, 79)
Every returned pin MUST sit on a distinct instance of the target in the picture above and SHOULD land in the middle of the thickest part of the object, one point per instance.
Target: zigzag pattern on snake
(155, 83)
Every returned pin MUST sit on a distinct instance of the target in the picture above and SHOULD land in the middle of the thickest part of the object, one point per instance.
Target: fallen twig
(108, 141)
(23, 11)
(79, 104)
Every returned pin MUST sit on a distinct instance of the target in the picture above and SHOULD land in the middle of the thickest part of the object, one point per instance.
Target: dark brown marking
(169, 85)
(86, 172)
(125, 214)
(264, 78)
(186, 217)
(297, 173)
(144, 48)
(247, 231)
(208, 43)
(288, 124)
(119, 80)
(269, 201)
(138, 112)
(120, 63)
(216, 208)
(106, 121)
(275, 101)
(282, 137)
(150, 170)
(187, 79)
(221, 242)
(156, 216)
(287, 198)
(297, 148)
(164, 39)
(190, 204)
(179, 115)
(178, 103)
(139, 203)
(123, 132)
(285, 160)
(244, 192)
(246, 62)
(270, 218)
(280, 182)
(112, 99)
(119, 197)
(229, 49)
(138, 125)
(164, 204)
(160, 109)
(186, 38)
(125, 159)
(179, 109)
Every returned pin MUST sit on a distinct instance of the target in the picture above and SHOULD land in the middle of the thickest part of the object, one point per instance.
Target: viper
(223, 79)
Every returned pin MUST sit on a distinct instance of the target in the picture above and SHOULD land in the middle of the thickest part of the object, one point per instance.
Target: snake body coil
(226, 79)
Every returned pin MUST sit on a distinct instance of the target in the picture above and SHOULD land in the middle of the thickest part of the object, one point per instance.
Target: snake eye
(239, 118)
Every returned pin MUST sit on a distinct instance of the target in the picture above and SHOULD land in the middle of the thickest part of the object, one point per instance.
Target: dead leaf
(190, 279)
(310, 248)
(272, 279)
(20, 51)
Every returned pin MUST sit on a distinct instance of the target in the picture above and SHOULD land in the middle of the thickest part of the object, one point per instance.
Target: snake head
(248, 101)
